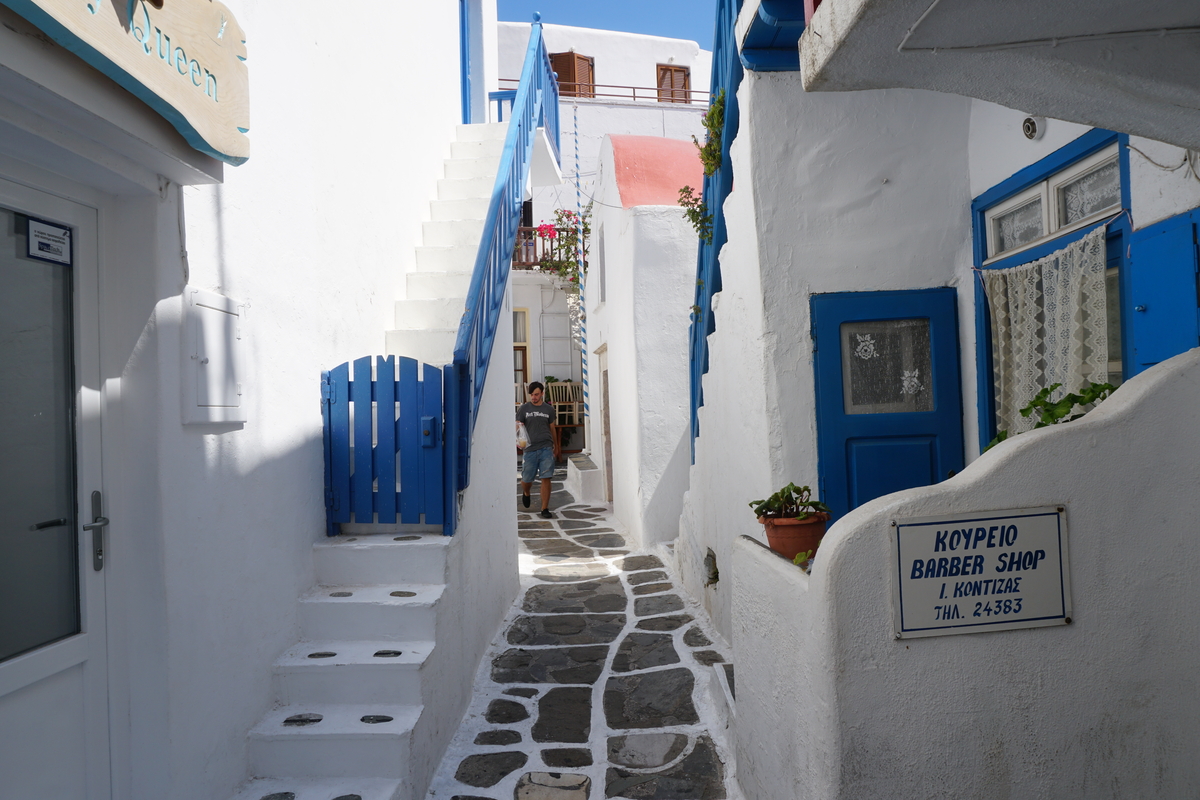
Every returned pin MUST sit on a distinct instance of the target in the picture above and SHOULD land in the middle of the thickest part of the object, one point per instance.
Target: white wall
(539, 294)
(830, 705)
(650, 254)
(620, 59)
(861, 191)
(210, 545)
(624, 59)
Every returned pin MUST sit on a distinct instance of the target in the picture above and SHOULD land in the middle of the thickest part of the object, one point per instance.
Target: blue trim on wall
(1089, 143)
(772, 42)
(65, 37)
(464, 58)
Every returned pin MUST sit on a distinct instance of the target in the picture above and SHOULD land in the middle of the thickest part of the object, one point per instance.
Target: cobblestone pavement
(598, 683)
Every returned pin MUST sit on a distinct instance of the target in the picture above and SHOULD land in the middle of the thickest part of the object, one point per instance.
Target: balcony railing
(603, 91)
(533, 250)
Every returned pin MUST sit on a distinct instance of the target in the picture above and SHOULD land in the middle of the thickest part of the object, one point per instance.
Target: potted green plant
(794, 522)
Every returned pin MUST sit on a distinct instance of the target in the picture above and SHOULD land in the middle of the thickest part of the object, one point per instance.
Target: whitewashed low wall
(831, 705)
(481, 571)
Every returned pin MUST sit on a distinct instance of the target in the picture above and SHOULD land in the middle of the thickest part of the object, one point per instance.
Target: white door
(54, 718)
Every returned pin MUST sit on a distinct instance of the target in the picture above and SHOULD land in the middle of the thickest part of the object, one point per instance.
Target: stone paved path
(598, 684)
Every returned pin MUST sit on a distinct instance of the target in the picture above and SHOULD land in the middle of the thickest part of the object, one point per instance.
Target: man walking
(540, 421)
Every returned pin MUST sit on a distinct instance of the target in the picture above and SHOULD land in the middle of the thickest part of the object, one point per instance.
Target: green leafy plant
(802, 557)
(791, 501)
(1052, 412)
(714, 124)
(562, 238)
(696, 212)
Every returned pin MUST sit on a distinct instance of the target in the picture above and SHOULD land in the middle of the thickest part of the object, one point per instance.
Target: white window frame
(1047, 190)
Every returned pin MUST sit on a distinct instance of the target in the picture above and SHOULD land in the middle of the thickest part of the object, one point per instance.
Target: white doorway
(54, 712)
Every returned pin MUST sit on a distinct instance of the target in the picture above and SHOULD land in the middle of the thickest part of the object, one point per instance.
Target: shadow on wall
(661, 511)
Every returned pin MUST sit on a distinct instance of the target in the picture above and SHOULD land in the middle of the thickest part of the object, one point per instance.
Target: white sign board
(49, 242)
(980, 571)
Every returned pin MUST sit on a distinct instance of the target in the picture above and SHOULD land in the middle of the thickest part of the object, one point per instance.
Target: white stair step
(466, 168)
(445, 312)
(475, 208)
(357, 672)
(465, 189)
(447, 259)
(485, 148)
(429, 285)
(370, 612)
(380, 559)
(430, 345)
(341, 745)
(322, 788)
(452, 233)
(481, 132)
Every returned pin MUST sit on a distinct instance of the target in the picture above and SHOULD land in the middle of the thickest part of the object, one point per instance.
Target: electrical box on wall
(213, 358)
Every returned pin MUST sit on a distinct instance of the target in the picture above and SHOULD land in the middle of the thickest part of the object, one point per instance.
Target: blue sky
(679, 19)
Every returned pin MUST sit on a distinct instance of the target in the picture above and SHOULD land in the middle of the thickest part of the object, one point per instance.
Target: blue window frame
(1119, 232)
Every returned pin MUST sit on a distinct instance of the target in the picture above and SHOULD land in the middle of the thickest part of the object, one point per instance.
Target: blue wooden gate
(385, 454)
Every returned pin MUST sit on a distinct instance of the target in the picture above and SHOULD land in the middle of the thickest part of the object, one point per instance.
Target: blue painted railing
(398, 444)
(535, 106)
(727, 76)
(384, 447)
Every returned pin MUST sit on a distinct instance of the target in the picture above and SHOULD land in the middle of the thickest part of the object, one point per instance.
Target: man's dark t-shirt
(537, 421)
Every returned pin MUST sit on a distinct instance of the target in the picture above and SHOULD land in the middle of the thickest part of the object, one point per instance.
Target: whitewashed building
(899, 271)
(612, 83)
(639, 294)
(167, 317)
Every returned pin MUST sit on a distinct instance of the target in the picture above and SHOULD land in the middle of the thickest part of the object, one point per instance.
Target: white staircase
(349, 696)
(427, 318)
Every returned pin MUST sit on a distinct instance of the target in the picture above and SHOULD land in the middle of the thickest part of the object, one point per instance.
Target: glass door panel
(39, 587)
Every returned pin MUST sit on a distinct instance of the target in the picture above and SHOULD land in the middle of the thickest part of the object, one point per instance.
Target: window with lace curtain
(1051, 279)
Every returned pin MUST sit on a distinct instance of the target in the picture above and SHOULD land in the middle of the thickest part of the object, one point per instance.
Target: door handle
(96, 526)
(50, 523)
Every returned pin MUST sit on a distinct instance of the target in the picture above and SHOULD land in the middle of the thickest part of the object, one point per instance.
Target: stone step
(433, 285)
(429, 345)
(485, 148)
(466, 168)
(447, 259)
(481, 132)
(395, 612)
(322, 788)
(475, 208)
(381, 558)
(351, 672)
(465, 189)
(444, 312)
(340, 745)
(452, 233)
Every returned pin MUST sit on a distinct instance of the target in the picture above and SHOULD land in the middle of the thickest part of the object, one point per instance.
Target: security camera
(1034, 128)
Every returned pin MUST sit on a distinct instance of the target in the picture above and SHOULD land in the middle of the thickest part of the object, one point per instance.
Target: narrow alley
(600, 682)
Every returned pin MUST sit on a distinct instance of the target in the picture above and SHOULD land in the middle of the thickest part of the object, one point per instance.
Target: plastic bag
(522, 436)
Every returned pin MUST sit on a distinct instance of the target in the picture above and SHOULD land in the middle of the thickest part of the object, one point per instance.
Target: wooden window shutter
(674, 84)
(575, 74)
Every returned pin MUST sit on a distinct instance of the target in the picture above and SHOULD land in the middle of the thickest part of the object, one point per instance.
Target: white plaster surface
(998, 148)
(648, 271)
(1157, 193)
(866, 191)
(830, 705)
(621, 59)
(209, 548)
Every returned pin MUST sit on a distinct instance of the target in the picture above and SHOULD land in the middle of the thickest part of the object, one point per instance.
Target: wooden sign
(186, 59)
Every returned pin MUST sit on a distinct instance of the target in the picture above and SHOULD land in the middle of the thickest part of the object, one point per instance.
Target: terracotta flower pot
(789, 536)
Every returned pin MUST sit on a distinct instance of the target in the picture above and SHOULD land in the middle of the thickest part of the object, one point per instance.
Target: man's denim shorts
(537, 463)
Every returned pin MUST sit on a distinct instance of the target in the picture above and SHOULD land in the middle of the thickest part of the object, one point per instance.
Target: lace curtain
(1049, 325)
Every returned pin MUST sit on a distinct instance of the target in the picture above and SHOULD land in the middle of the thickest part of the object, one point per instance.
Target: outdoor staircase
(436, 290)
(349, 696)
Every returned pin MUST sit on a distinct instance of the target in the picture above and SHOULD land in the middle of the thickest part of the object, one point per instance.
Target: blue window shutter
(1163, 292)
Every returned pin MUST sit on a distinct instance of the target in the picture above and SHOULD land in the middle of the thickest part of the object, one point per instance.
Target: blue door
(889, 400)
(1164, 291)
